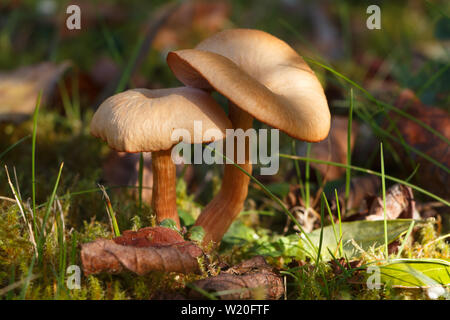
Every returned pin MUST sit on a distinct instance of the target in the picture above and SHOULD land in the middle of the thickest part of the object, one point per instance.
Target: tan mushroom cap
(262, 75)
(142, 120)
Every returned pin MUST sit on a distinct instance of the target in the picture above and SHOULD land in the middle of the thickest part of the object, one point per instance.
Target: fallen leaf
(19, 89)
(251, 279)
(148, 249)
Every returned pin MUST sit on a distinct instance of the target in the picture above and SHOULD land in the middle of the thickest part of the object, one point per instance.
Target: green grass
(67, 209)
(383, 188)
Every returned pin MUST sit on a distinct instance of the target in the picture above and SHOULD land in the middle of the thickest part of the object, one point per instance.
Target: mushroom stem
(218, 215)
(164, 185)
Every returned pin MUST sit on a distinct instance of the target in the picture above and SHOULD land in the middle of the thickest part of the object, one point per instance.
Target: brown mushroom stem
(164, 185)
(218, 215)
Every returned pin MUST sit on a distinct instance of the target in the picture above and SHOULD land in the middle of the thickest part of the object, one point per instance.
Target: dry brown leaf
(148, 249)
(192, 21)
(252, 279)
(19, 89)
(334, 148)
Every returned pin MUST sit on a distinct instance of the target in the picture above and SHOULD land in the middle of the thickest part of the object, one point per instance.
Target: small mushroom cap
(143, 120)
(262, 75)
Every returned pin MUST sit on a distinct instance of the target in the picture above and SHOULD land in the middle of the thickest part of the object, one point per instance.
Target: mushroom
(143, 120)
(263, 78)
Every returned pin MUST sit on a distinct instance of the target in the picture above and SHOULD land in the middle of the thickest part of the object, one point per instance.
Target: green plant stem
(33, 159)
(141, 178)
(380, 103)
(355, 168)
(383, 186)
(308, 152)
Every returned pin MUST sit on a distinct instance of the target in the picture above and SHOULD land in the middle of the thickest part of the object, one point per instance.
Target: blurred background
(123, 44)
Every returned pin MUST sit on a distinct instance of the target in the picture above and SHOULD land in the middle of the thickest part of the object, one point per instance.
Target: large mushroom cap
(262, 75)
(143, 120)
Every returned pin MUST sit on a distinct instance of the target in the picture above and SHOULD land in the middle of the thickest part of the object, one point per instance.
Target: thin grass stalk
(13, 146)
(298, 172)
(308, 152)
(22, 212)
(349, 148)
(400, 250)
(331, 217)
(47, 214)
(321, 233)
(33, 158)
(372, 172)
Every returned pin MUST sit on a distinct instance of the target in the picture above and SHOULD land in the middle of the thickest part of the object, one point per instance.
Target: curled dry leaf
(251, 279)
(334, 148)
(148, 249)
(19, 89)
(399, 204)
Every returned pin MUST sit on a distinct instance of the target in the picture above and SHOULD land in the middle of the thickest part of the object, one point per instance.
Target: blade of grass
(201, 291)
(383, 187)
(128, 70)
(110, 211)
(308, 152)
(331, 216)
(22, 211)
(27, 280)
(269, 193)
(338, 206)
(411, 226)
(15, 285)
(61, 231)
(369, 171)
(321, 233)
(379, 103)
(87, 191)
(298, 172)
(76, 95)
(433, 78)
(349, 148)
(384, 133)
(73, 251)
